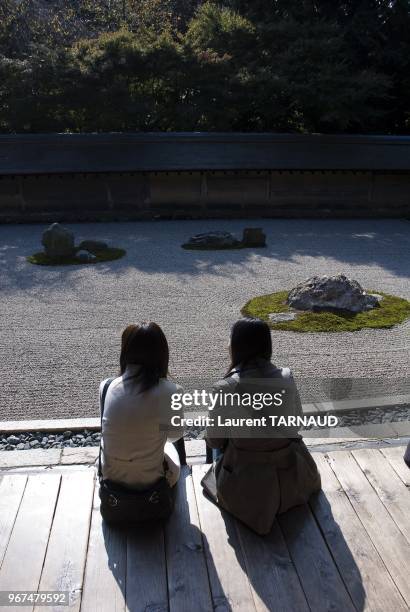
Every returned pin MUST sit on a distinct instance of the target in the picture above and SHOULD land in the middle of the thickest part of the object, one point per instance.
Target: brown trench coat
(257, 478)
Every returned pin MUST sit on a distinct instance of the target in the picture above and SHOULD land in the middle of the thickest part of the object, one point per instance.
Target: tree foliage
(265, 65)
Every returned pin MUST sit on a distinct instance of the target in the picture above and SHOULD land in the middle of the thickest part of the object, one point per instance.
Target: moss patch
(41, 258)
(391, 311)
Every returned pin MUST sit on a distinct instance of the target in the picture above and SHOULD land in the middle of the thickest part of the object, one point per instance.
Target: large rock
(58, 242)
(212, 240)
(331, 293)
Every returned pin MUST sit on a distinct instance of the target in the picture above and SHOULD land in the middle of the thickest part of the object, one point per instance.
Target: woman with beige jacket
(136, 445)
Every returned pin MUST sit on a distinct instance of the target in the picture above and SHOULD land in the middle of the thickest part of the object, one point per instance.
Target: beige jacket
(135, 428)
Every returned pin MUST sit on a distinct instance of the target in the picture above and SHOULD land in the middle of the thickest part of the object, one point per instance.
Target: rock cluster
(252, 237)
(59, 244)
(213, 240)
(331, 293)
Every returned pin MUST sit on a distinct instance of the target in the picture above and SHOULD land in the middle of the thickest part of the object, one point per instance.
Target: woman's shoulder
(227, 383)
(109, 382)
(168, 387)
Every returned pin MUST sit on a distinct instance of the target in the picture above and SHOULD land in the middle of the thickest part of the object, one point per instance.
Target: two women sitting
(254, 477)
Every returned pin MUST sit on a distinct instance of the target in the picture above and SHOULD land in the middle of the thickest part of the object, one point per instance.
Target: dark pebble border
(46, 440)
(66, 439)
(85, 437)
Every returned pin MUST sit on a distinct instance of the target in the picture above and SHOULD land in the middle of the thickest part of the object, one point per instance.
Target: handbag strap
(102, 402)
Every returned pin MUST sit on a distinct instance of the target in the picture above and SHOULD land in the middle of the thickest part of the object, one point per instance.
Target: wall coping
(28, 154)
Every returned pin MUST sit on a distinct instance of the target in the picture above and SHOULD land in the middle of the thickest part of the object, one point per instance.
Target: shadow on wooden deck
(347, 550)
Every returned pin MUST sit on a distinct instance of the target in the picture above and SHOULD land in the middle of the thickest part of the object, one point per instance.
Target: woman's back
(259, 378)
(264, 468)
(134, 429)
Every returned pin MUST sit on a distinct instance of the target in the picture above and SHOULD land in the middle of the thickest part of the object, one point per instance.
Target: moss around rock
(109, 254)
(391, 311)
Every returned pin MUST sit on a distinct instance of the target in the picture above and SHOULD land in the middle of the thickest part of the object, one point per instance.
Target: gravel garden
(61, 325)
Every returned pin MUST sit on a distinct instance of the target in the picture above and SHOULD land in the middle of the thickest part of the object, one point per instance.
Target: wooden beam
(273, 576)
(386, 536)
(146, 578)
(24, 558)
(363, 571)
(188, 583)
(67, 548)
(320, 578)
(394, 455)
(388, 486)
(224, 556)
(11, 493)
(105, 572)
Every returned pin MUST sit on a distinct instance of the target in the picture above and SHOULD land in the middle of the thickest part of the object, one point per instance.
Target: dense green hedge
(265, 65)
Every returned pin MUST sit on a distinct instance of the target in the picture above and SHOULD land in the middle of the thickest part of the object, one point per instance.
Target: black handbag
(122, 505)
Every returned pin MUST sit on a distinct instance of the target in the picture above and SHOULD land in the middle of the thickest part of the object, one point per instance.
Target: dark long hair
(250, 340)
(145, 345)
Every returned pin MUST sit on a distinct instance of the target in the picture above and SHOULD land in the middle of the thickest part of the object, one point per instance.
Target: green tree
(274, 65)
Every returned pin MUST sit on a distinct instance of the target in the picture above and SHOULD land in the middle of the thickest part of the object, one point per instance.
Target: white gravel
(60, 326)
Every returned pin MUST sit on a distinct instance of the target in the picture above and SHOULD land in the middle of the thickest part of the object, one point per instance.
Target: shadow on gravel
(155, 248)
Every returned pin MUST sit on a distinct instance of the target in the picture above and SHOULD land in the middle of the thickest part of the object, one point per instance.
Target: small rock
(67, 434)
(281, 317)
(13, 440)
(378, 297)
(44, 441)
(85, 256)
(34, 443)
(21, 446)
(92, 246)
(253, 237)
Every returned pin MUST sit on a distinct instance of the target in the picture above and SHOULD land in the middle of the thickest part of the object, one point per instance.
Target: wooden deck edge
(195, 450)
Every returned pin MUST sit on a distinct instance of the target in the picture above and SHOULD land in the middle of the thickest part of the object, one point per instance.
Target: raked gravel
(60, 326)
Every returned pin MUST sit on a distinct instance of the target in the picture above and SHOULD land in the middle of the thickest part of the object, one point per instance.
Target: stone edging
(93, 423)
(195, 449)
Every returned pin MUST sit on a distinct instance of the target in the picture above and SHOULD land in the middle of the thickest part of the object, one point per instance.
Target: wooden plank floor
(348, 550)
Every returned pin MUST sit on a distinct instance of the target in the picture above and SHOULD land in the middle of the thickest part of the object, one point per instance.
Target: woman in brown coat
(261, 470)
